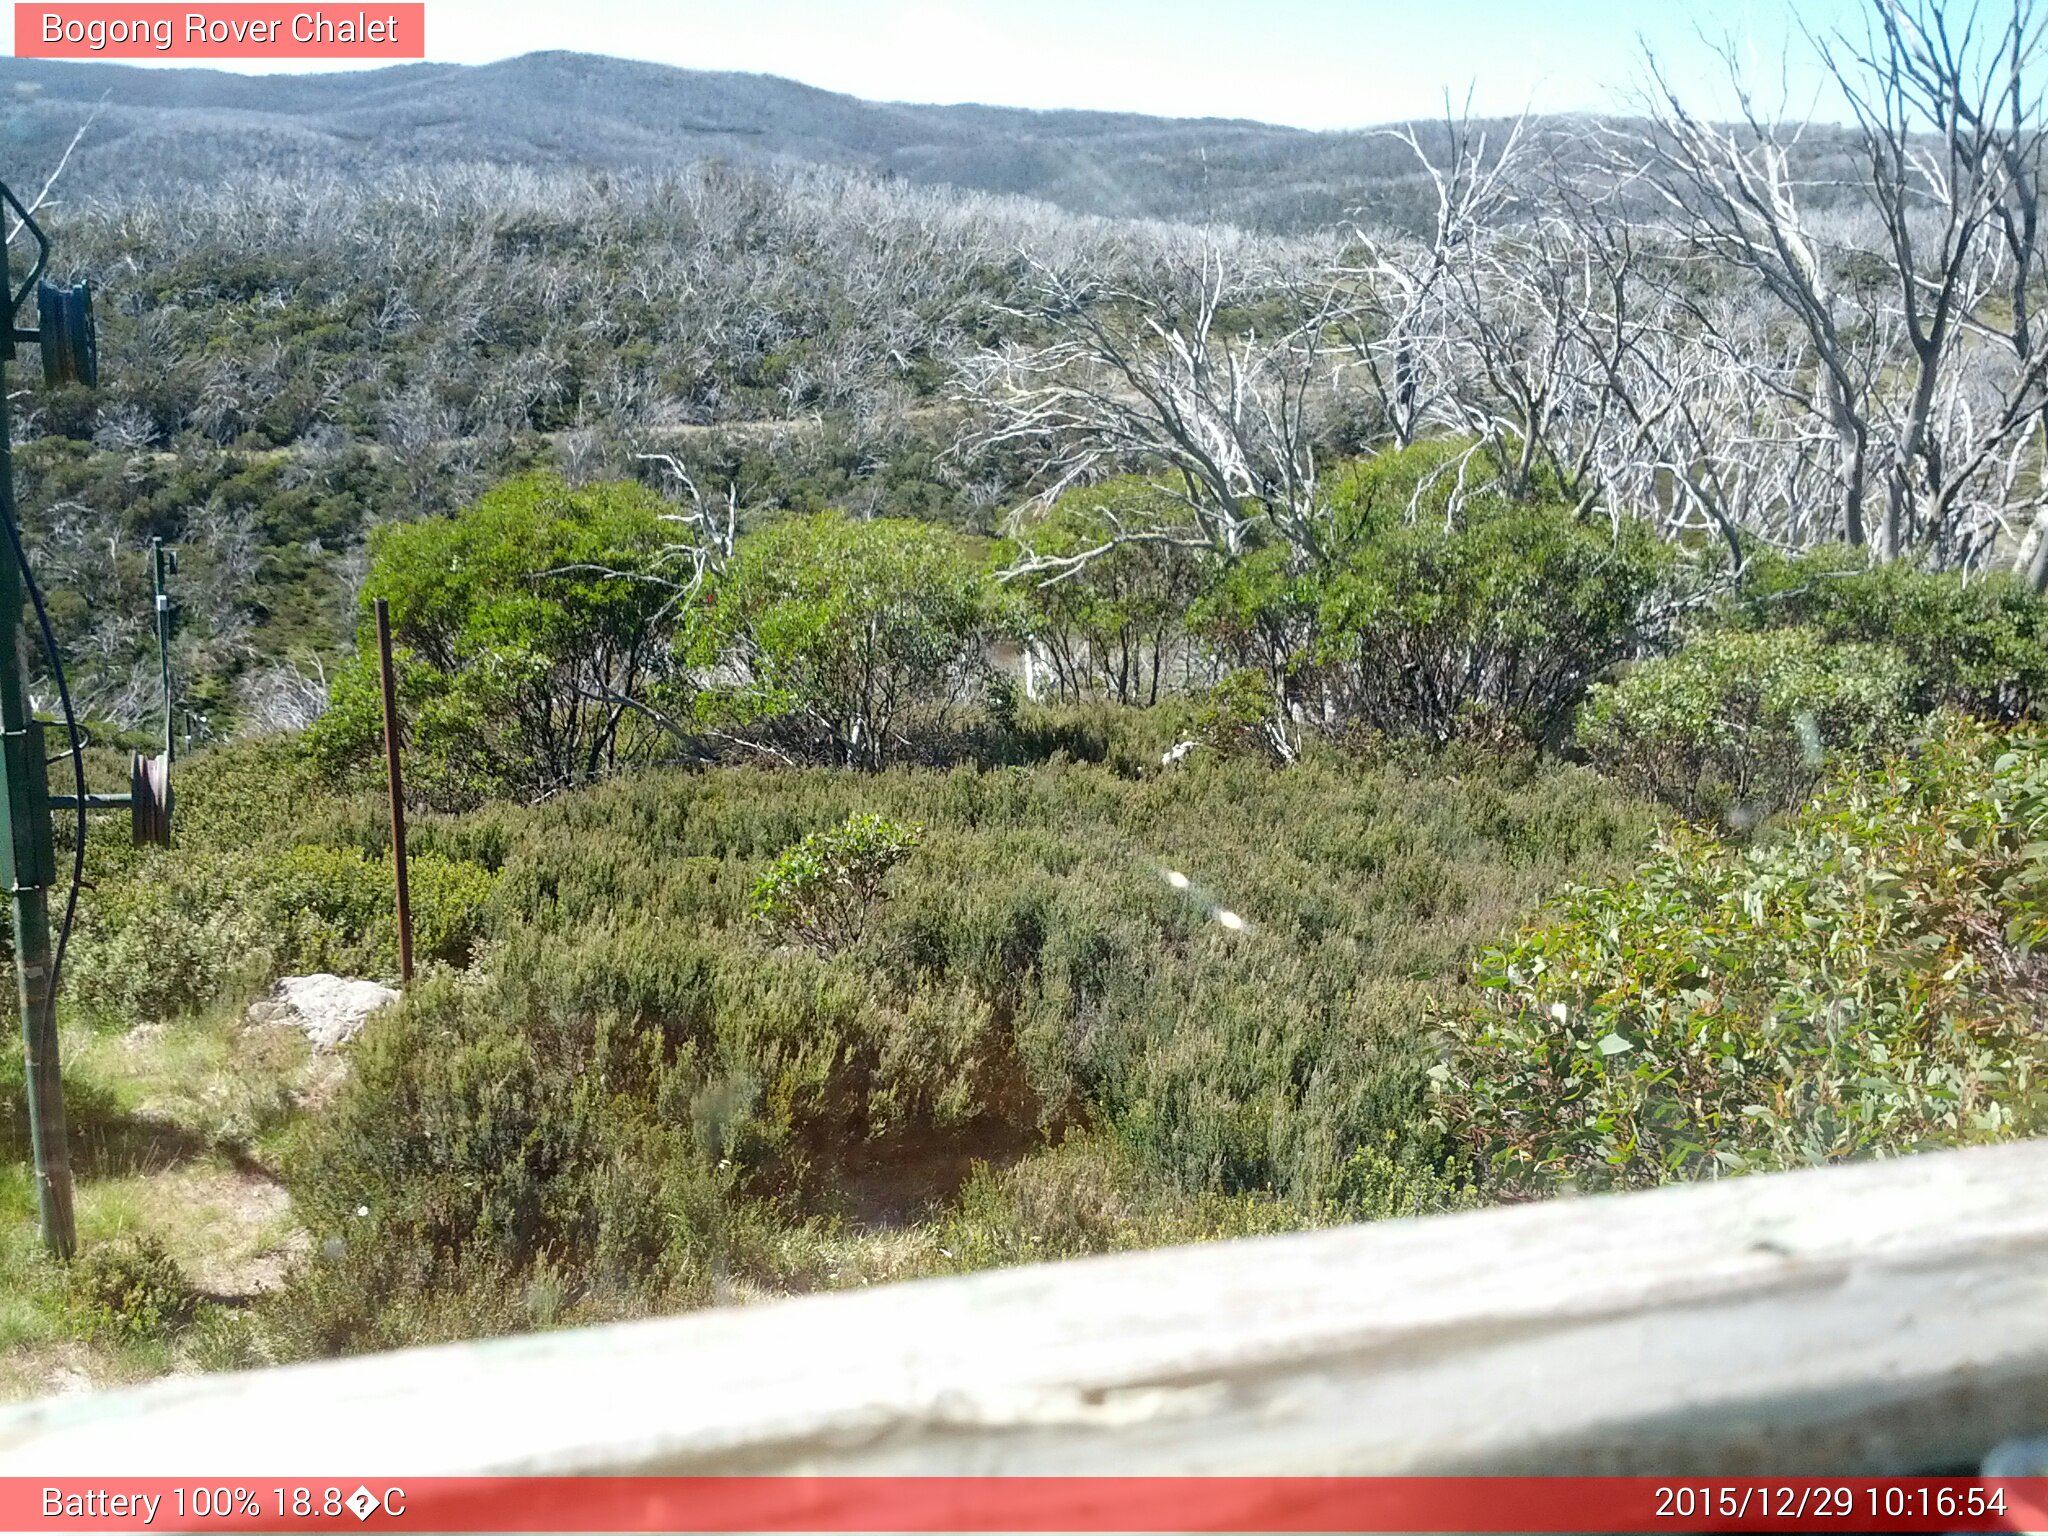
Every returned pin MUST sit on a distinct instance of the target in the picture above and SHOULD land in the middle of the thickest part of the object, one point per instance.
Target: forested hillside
(574, 111)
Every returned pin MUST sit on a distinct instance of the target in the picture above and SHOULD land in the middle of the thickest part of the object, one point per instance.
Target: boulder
(328, 1010)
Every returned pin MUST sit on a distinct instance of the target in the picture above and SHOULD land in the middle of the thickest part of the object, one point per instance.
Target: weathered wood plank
(1884, 1317)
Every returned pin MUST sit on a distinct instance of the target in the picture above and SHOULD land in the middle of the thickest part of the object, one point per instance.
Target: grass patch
(175, 1130)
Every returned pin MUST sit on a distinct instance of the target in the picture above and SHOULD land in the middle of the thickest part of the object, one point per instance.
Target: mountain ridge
(592, 111)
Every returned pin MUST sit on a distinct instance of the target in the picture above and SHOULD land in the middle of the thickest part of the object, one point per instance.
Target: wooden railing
(1887, 1317)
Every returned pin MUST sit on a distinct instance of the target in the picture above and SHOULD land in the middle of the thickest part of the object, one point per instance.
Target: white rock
(329, 1010)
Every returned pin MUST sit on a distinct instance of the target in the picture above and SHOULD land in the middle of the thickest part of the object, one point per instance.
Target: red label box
(374, 30)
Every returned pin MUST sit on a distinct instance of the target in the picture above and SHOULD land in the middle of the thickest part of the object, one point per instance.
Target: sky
(1308, 63)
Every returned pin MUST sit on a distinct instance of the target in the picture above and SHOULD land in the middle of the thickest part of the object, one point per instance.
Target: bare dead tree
(282, 697)
(1209, 365)
(1394, 319)
(707, 529)
(1730, 192)
(1923, 389)
(42, 198)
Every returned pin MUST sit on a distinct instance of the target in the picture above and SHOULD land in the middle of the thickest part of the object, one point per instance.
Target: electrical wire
(76, 754)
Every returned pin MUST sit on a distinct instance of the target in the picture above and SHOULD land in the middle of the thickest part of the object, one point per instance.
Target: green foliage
(164, 943)
(131, 1290)
(191, 926)
(841, 640)
(1432, 617)
(526, 1134)
(530, 623)
(634, 1093)
(1861, 985)
(1260, 614)
(1237, 717)
(822, 891)
(1977, 643)
(1091, 1195)
(1495, 623)
(331, 909)
(1744, 723)
(267, 877)
(1115, 625)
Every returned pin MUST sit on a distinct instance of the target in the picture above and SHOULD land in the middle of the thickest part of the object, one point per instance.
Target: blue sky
(1312, 63)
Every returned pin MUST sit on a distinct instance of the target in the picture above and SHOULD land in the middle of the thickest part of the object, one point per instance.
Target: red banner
(1082, 1504)
(377, 30)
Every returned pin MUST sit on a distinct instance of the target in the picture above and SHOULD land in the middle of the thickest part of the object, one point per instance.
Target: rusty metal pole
(397, 789)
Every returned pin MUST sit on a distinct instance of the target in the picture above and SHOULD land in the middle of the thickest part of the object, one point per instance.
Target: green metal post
(28, 864)
(163, 632)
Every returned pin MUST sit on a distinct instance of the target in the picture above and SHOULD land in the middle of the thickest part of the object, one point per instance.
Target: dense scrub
(1195, 999)
(1073, 1006)
(773, 939)
(1866, 982)
(778, 934)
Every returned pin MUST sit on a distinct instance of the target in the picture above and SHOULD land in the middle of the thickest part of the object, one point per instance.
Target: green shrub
(223, 1338)
(822, 891)
(1237, 717)
(184, 928)
(1977, 643)
(838, 640)
(332, 909)
(631, 1093)
(1493, 624)
(1741, 723)
(1259, 617)
(1112, 627)
(166, 941)
(130, 1290)
(1415, 1178)
(1850, 988)
(1091, 1195)
(475, 1140)
(529, 624)
(1481, 619)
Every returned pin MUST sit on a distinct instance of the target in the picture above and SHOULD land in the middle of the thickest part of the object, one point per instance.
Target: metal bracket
(20, 296)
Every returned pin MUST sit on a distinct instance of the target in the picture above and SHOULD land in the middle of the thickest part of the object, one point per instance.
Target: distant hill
(582, 110)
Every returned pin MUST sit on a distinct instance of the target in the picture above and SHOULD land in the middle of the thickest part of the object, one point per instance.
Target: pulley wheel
(70, 342)
(150, 799)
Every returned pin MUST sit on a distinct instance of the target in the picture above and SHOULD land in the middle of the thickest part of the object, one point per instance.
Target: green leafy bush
(187, 927)
(822, 891)
(168, 940)
(531, 625)
(1743, 723)
(840, 640)
(1091, 1195)
(1258, 617)
(331, 909)
(1237, 717)
(631, 1094)
(1977, 643)
(1489, 624)
(1115, 626)
(131, 1290)
(1857, 986)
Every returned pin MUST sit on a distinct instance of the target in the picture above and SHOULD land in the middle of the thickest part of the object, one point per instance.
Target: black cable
(77, 754)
